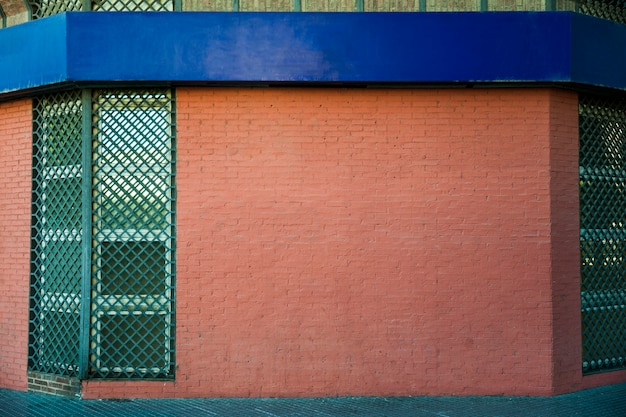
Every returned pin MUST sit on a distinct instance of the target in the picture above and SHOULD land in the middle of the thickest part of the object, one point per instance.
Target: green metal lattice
(606, 9)
(133, 5)
(43, 8)
(603, 232)
(132, 282)
(102, 260)
(56, 266)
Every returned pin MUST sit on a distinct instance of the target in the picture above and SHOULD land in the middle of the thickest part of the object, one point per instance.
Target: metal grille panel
(57, 234)
(603, 232)
(607, 9)
(133, 235)
(43, 8)
(133, 5)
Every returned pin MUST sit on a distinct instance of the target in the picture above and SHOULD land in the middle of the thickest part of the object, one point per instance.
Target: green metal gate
(603, 231)
(103, 246)
(57, 224)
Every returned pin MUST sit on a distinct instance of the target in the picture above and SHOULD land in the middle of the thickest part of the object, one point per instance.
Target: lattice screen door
(603, 232)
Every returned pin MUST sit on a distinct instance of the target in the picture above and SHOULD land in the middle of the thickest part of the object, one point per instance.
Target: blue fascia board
(598, 52)
(33, 55)
(87, 48)
(319, 47)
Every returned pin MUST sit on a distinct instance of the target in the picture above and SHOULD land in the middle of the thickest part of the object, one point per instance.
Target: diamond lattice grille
(44, 8)
(57, 234)
(133, 5)
(607, 9)
(603, 232)
(133, 229)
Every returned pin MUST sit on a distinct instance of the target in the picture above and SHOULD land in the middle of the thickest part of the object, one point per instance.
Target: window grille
(133, 5)
(603, 232)
(102, 259)
(42, 8)
(607, 9)
(133, 239)
(57, 234)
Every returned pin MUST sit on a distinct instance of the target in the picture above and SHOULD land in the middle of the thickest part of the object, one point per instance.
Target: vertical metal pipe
(4, 17)
(484, 5)
(178, 5)
(359, 5)
(29, 9)
(297, 6)
(235, 5)
(85, 300)
(422, 5)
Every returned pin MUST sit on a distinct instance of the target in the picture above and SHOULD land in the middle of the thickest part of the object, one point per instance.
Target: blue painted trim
(319, 47)
(329, 48)
(33, 54)
(598, 52)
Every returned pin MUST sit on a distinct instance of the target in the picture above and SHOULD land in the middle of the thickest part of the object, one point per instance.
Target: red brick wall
(15, 186)
(565, 236)
(374, 242)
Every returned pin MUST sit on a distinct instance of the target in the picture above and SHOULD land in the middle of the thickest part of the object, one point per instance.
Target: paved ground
(602, 402)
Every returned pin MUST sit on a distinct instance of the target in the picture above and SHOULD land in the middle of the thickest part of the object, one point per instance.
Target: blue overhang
(90, 48)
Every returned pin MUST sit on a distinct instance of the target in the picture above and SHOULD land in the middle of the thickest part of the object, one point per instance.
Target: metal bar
(297, 6)
(178, 5)
(422, 5)
(359, 5)
(29, 9)
(3, 16)
(85, 306)
(86, 5)
(484, 5)
(235, 5)
(550, 5)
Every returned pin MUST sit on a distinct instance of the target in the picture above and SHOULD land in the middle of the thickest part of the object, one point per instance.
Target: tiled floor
(602, 402)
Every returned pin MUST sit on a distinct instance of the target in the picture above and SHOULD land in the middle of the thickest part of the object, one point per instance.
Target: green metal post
(86, 5)
(29, 9)
(85, 301)
(484, 5)
(550, 5)
(4, 17)
(422, 5)
(178, 5)
(235, 5)
(359, 5)
(297, 6)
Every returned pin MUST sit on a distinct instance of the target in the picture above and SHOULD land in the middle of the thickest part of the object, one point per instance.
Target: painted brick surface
(564, 218)
(374, 242)
(15, 186)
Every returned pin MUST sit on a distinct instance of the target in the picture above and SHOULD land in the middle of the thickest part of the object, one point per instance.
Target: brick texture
(15, 186)
(374, 242)
(53, 384)
(564, 218)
